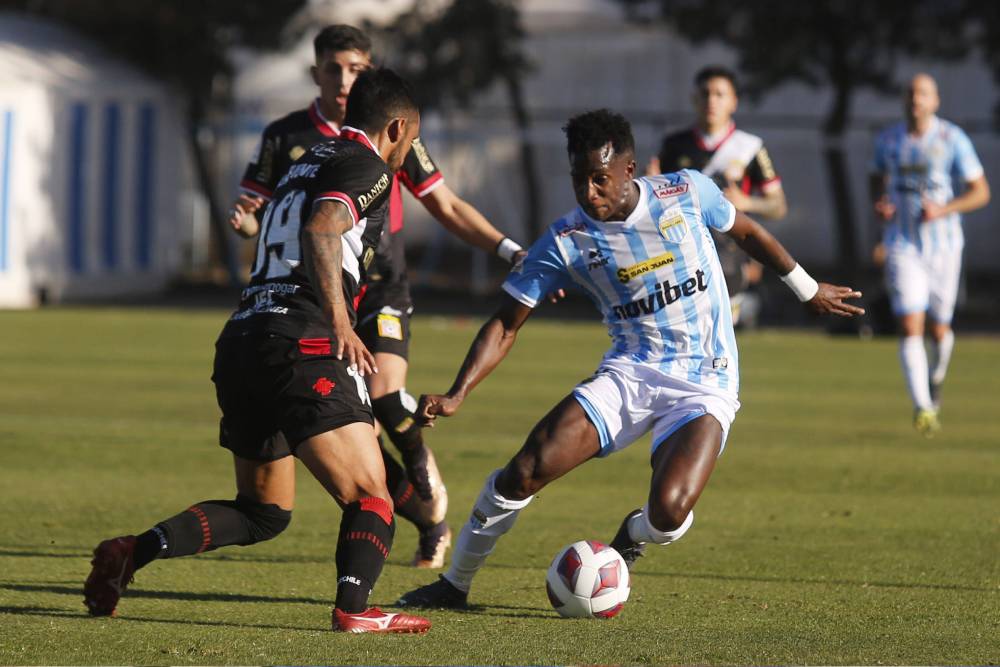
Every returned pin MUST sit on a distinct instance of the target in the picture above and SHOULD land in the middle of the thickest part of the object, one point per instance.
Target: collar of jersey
(641, 208)
(354, 134)
(319, 120)
(705, 142)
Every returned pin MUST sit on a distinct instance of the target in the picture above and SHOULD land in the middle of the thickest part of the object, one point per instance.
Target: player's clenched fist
(241, 215)
(432, 405)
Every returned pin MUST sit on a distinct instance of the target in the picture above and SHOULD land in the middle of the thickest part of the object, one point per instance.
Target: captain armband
(507, 248)
(801, 283)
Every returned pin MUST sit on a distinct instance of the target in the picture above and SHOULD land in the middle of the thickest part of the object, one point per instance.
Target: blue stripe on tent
(144, 186)
(77, 189)
(8, 133)
(109, 194)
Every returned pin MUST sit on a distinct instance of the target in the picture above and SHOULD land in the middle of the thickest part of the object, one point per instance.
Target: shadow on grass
(167, 595)
(22, 552)
(63, 613)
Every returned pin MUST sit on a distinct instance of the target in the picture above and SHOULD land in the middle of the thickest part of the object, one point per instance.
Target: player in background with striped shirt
(640, 249)
(916, 163)
(342, 52)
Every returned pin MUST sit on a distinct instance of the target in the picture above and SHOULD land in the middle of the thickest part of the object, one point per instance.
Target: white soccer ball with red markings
(588, 579)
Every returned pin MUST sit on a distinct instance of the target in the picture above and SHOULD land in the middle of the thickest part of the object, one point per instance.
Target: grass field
(829, 534)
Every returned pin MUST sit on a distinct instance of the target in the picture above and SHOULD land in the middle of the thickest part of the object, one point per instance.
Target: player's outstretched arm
(466, 222)
(819, 297)
(489, 348)
(322, 256)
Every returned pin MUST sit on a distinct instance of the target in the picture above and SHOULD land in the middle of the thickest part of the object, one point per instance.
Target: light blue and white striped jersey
(655, 277)
(925, 166)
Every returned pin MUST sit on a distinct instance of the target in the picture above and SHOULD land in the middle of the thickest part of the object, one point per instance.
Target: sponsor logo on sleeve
(381, 184)
(627, 273)
(422, 157)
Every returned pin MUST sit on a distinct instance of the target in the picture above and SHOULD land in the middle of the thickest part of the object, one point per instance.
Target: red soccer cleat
(374, 619)
(112, 572)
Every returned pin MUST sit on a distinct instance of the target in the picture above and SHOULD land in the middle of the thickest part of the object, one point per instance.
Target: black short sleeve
(419, 173)
(261, 175)
(761, 170)
(362, 185)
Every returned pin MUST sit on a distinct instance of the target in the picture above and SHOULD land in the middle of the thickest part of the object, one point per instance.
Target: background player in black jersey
(384, 311)
(739, 164)
(289, 370)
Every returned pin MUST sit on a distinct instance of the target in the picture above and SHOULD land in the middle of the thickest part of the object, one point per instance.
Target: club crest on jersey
(665, 191)
(672, 226)
(296, 152)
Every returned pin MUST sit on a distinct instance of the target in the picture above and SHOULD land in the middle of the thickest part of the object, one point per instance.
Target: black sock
(408, 503)
(366, 532)
(208, 525)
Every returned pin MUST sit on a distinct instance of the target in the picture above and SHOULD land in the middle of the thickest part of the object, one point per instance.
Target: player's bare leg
(913, 359)
(347, 462)
(682, 465)
(262, 510)
(561, 441)
(416, 488)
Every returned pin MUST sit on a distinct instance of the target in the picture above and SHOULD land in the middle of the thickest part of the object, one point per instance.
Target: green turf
(829, 534)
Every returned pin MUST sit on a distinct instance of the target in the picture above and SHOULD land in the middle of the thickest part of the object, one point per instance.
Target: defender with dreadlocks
(641, 249)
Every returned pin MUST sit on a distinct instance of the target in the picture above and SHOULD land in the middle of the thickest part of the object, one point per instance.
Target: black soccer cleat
(630, 551)
(440, 594)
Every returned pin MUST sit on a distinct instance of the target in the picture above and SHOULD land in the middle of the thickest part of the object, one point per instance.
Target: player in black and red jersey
(738, 163)
(289, 370)
(384, 312)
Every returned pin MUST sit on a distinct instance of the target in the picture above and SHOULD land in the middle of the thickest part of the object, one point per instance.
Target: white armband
(801, 283)
(506, 249)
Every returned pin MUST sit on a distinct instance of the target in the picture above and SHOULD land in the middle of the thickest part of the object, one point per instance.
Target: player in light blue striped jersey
(916, 162)
(640, 248)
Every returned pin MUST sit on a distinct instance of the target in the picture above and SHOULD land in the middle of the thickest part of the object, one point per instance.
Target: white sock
(641, 530)
(941, 356)
(913, 358)
(492, 516)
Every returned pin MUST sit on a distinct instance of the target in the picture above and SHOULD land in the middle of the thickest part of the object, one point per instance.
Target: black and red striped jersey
(737, 157)
(280, 297)
(284, 141)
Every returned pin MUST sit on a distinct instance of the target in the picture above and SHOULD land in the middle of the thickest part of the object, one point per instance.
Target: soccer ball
(587, 579)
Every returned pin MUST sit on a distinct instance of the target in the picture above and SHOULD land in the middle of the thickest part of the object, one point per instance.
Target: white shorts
(625, 401)
(923, 282)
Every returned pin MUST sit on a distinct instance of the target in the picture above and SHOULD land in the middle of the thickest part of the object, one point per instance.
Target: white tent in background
(90, 157)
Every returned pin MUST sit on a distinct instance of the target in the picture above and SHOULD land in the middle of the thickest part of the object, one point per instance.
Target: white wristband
(801, 283)
(506, 249)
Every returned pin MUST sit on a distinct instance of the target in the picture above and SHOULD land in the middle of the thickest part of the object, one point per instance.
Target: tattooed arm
(322, 255)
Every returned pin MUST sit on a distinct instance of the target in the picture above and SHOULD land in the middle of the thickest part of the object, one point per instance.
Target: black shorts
(384, 323)
(275, 392)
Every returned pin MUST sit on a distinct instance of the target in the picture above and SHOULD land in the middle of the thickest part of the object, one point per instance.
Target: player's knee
(265, 521)
(668, 511)
(394, 412)
(519, 480)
